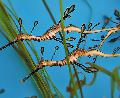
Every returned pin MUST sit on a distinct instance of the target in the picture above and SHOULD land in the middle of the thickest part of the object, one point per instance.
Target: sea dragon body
(51, 33)
(72, 59)
(74, 56)
(48, 35)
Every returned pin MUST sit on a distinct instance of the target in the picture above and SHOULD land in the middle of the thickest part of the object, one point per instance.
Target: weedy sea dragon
(54, 30)
(51, 33)
(73, 60)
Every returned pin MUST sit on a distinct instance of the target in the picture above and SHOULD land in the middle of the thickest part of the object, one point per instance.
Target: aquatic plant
(16, 37)
(9, 31)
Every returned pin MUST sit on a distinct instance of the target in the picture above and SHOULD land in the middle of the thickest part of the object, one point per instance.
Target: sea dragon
(51, 33)
(78, 52)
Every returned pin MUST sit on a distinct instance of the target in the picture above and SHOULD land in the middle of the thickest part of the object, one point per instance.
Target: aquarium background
(13, 69)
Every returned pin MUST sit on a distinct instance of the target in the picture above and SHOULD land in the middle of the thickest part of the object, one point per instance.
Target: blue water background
(12, 69)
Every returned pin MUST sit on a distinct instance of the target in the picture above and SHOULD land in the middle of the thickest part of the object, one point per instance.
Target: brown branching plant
(38, 71)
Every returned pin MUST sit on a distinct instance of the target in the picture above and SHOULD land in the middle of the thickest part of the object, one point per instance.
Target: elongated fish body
(50, 33)
(74, 56)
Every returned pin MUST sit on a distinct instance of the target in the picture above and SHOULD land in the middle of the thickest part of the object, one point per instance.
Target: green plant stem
(7, 26)
(66, 49)
(79, 84)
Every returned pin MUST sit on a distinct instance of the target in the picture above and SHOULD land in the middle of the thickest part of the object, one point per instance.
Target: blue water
(13, 69)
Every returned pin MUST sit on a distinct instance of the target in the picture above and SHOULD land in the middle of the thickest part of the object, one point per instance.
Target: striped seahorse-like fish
(52, 33)
(72, 59)
(46, 36)
(49, 33)
(74, 56)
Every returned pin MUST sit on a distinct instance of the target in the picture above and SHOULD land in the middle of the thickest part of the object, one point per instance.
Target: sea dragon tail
(21, 37)
(8, 44)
